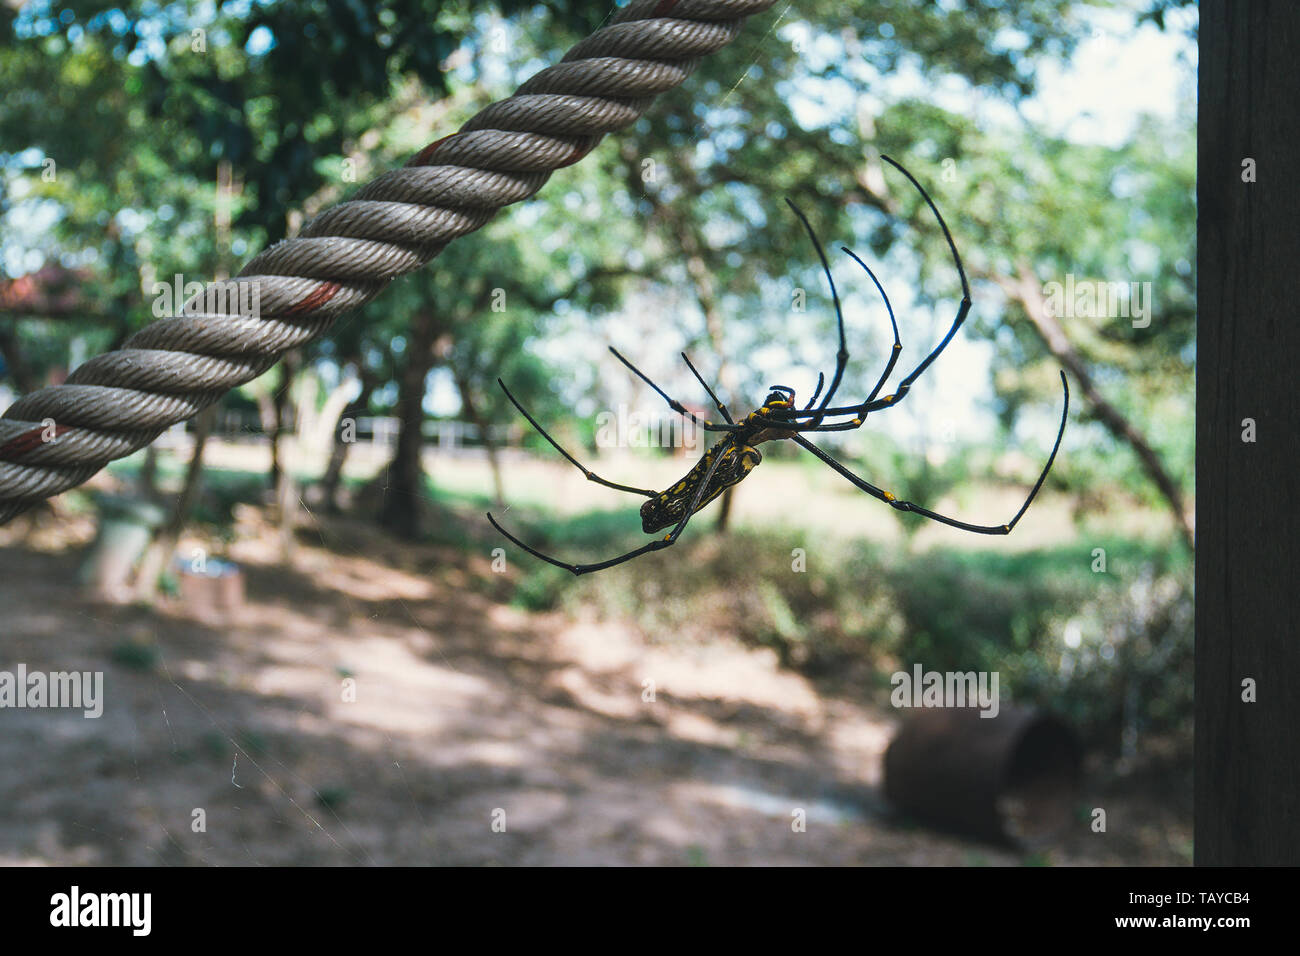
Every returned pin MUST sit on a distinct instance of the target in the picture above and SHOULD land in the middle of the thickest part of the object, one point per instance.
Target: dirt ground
(467, 712)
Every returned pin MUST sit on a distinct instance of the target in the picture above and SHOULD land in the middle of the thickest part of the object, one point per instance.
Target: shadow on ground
(479, 733)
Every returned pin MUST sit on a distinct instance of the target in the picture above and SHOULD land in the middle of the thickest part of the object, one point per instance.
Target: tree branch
(1025, 288)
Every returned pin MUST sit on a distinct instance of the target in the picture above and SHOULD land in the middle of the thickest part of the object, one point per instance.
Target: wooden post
(1248, 435)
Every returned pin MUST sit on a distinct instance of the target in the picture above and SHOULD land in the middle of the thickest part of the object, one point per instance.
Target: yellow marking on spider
(889, 496)
(857, 421)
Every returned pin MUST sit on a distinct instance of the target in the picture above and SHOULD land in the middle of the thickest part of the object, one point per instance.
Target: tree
(237, 90)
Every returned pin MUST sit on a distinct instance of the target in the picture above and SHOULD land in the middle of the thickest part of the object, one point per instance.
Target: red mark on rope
(663, 7)
(577, 154)
(422, 157)
(314, 299)
(35, 438)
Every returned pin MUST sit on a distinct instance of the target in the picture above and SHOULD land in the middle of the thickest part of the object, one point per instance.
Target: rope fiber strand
(117, 403)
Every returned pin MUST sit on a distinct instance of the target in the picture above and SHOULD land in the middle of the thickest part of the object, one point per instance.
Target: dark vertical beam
(1248, 495)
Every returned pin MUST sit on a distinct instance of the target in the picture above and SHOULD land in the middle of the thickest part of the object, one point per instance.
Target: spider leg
(897, 348)
(654, 545)
(901, 505)
(906, 383)
(590, 475)
(776, 421)
(842, 355)
(658, 544)
(726, 416)
(895, 351)
(874, 405)
(821, 380)
(810, 426)
(675, 405)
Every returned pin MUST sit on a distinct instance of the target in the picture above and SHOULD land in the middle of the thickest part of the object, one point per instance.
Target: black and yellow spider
(736, 454)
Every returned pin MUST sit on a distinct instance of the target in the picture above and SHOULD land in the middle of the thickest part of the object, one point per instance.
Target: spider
(736, 454)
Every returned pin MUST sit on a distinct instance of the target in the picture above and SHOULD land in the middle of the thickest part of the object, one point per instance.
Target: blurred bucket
(1010, 778)
(211, 590)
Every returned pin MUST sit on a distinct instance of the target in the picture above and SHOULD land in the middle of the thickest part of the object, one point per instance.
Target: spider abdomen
(669, 507)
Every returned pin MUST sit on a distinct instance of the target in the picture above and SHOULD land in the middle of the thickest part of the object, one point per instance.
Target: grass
(858, 611)
(1060, 632)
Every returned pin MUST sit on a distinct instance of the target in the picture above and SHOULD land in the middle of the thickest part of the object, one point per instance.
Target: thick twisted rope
(56, 438)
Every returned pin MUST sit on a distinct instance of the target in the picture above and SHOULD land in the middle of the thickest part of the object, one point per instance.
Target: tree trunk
(286, 506)
(12, 353)
(401, 512)
(706, 294)
(333, 476)
(472, 412)
(146, 483)
(693, 246)
(281, 415)
(160, 552)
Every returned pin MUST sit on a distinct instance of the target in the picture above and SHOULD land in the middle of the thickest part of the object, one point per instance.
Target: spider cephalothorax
(735, 455)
